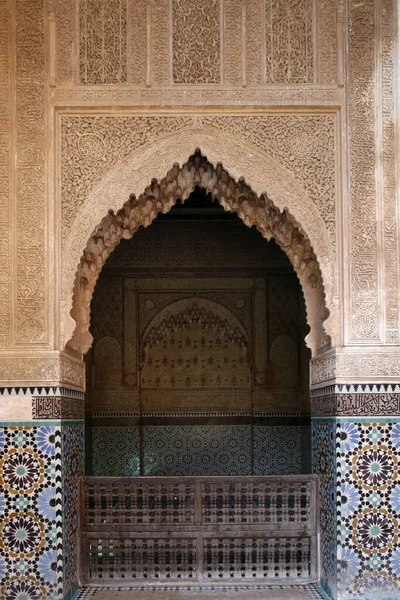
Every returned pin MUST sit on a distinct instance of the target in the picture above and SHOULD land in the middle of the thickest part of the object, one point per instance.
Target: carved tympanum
(195, 344)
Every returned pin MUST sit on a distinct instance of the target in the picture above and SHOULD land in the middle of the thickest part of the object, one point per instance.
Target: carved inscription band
(56, 407)
(361, 403)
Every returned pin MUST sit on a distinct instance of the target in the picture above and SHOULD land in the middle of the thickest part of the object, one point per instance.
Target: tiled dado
(357, 457)
(198, 445)
(40, 461)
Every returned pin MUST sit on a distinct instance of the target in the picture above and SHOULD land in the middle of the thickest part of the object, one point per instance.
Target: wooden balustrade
(199, 529)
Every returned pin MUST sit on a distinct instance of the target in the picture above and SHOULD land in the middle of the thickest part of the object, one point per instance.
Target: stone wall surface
(97, 98)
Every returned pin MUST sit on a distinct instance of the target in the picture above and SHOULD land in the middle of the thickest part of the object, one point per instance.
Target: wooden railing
(199, 529)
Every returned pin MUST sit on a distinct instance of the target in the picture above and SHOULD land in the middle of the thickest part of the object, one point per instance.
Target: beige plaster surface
(245, 594)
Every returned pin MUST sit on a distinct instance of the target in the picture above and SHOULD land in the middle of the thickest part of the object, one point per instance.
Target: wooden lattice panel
(256, 502)
(256, 558)
(118, 502)
(141, 559)
(199, 529)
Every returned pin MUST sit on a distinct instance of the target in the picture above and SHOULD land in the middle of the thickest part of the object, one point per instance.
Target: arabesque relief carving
(102, 41)
(304, 144)
(234, 196)
(5, 171)
(362, 133)
(388, 28)
(31, 315)
(249, 42)
(196, 41)
(289, 41)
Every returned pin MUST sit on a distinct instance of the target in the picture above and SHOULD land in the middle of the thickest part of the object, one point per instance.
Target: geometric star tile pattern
(368, 509)
(197, 450)
(30, 512)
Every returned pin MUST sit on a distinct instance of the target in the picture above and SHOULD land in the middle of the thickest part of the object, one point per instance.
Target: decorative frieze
(42, 370)
(355, 367)
(168, 42)
(356, 405)
(57, 407)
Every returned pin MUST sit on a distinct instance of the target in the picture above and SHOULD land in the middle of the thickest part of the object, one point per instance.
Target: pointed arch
(234, 196)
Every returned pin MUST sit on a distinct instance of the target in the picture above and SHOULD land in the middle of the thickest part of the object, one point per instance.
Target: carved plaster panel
(154, 160)
(304, 145)
(65, 29)
(196, 41)
(160, 22)
(356, 366)
(235, 56)
(102, 41)
(138, 49)
(169, 42)
(289, 41)
(388, 166)
(5, 170)
(329, 42)
(31, 317)
(42, 370)
(362, 137)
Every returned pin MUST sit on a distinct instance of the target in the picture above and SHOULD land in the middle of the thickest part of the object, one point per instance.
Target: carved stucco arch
(182, 313)
(154, 159)
(234, 196)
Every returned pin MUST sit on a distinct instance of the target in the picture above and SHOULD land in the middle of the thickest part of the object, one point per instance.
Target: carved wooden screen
(216, 529)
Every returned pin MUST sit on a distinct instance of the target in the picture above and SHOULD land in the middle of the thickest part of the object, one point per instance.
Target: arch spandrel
(135, 173)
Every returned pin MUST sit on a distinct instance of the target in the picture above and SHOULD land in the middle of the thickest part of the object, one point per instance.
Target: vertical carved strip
(387, 75)
(327, 41)
(65, 27)
(51, 25)
(254, 42)
(160, 42)
(340, 43)
(233, 41)
(30, 150)
(137, 41)
(244, 57)
(5, 148)
(361, 104)
(148, 43)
